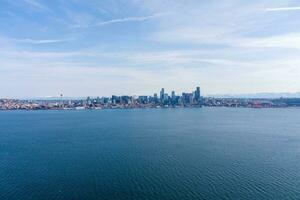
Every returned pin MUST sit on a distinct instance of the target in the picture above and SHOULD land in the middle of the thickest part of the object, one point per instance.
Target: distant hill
(53, 98)
(260, 95)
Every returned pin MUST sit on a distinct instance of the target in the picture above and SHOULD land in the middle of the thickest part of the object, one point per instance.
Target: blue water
(208, 153)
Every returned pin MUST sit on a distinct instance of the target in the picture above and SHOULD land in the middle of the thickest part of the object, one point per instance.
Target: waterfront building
(143, 99)
(173, 94)
(98, 100)
(155, 98)
(162, 93)
(197, 94)
(88, 101)
(187, 98)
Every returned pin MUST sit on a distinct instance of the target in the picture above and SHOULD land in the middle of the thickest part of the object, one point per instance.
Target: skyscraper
(173, 94)
(162, 93)
(197, 94)
(155, 98)
(173, 98)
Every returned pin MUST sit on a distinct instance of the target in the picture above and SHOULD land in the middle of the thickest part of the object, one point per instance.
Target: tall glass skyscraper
(162, 94)
(197, 94)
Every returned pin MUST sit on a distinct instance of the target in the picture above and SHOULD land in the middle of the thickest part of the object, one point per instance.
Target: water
(208, 153)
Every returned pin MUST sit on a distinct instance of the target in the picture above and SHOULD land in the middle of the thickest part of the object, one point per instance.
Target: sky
(135, 47)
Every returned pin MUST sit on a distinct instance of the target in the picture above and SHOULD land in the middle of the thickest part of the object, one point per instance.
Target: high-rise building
(155, 98)
(143, 99)
(187, 98)
(173, 98)
(98, 100)
(166, 97)
(197, 94)
(173, 94)
(162, 93)
(89, 101)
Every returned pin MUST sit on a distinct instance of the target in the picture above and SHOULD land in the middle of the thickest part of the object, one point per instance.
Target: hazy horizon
(261, 95)
(100, 48)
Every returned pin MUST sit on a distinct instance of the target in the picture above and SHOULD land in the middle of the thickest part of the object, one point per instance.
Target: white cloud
(291, 40)
(232, 46)
(122, 20)
(47, 41)
(283, 9)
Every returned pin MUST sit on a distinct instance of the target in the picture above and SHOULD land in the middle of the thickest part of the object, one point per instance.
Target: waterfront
(126, 102)
(208, 153)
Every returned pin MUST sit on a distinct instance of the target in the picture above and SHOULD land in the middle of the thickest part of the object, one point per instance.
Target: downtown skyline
(163, 99)
(92, 48)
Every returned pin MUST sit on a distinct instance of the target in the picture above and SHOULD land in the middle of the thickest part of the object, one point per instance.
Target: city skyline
(163, 99)
(260, 95)
(101, 48)
(160, 94)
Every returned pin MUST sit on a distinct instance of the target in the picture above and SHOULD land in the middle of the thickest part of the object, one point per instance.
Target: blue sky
(105, 47)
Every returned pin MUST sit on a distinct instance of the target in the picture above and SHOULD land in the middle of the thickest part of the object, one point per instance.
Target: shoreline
(149, 108)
